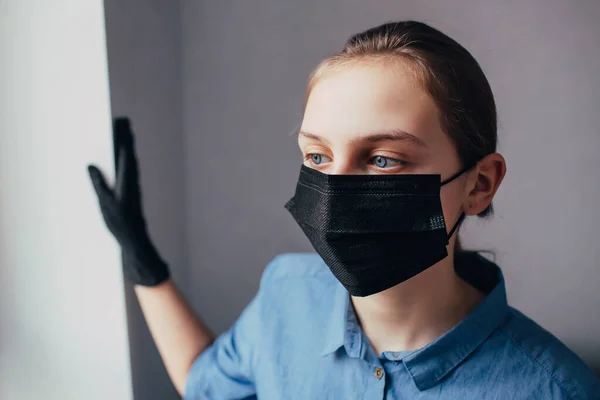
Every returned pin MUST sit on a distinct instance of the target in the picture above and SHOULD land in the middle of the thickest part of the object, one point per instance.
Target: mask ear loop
(459, 173)
(462, 215)
(457, 224)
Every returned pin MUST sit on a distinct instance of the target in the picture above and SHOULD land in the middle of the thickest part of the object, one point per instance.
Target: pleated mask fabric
(373, 231)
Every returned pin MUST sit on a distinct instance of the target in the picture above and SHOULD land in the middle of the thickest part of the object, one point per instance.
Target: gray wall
(245, 66)
(216, 88)
(144, 42)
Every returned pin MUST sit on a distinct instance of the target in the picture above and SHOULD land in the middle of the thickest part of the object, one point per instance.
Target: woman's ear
(484, 183)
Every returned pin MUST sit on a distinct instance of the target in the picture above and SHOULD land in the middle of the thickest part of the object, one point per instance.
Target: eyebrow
(394, 135)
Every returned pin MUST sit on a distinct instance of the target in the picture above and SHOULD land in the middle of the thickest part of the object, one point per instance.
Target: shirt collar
(429, 365)
(335, 334)
(433, 362)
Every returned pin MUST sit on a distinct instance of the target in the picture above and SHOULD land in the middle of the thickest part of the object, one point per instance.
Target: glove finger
(108, 204)
(128, 188)
(120, 127)
(121, 182)
(131, 163)
(124, 136)
(104, 193)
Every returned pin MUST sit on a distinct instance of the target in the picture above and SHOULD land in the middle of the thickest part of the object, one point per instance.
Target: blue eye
(380, 162)
(317, 159)
(386, 162)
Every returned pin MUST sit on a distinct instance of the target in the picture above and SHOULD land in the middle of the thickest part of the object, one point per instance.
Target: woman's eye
(386, 162)
(317, 159)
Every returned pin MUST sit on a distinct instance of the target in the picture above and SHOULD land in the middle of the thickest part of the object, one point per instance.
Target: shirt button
(378, 373)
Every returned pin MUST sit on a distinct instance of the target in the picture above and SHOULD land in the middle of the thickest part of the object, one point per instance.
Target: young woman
(399, 145)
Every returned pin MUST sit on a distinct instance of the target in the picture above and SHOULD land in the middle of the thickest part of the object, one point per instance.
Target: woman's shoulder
(542, 354)
(296, 297)
(294, 266)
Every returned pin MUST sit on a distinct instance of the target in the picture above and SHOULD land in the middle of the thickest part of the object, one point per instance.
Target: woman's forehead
(370, 97)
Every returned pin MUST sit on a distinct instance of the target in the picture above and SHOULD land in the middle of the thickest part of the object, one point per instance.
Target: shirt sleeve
(224, 370)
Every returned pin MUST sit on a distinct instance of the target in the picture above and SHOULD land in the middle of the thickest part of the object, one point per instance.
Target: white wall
(62, 312)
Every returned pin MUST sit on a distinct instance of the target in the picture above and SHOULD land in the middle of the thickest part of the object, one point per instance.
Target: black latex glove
(122, 211)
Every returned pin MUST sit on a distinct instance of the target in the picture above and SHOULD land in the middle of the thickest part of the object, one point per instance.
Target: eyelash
(400, 163)
(309, 157)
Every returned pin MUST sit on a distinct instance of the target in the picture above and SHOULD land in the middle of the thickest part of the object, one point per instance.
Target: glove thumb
(103, 192)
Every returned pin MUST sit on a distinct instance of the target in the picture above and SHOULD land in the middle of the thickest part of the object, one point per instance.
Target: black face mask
(373, 231)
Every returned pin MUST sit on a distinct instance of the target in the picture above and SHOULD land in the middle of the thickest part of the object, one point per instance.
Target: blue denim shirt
(299, 339)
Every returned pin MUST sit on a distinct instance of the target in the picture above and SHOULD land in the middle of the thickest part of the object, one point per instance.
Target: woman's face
(376, 119)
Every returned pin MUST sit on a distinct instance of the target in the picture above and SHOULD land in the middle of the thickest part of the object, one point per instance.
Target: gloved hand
(122, 211)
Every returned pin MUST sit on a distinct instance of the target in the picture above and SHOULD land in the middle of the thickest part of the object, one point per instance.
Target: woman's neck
(416, 312)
